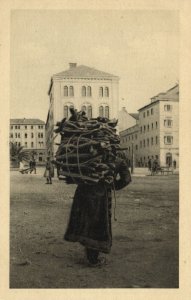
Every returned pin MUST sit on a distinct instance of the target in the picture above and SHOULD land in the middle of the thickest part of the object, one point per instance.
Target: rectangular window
(148, 142)
(136, 147)
(147, 127)
(156, 125)
(32, 144)
(168, 123)
(15, 135)
(19, 135)
(38, 126)
(143, 143)
(152, 111)
(144, 128)
(140, 144)
(147, 112)
(152, 141)
(11, 135)
(25, 135)
(25, 144)
(168, 140)
(32, 135)
(135, 136)
(11, 127)
(25, 127)
(16, 127)
(41, 135)
(144, 115)
(141, 129)
(168, 107)
(152, 125)
(156, 140)
(31, 127)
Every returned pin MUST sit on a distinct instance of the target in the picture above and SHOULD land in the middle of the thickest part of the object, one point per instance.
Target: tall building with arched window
(83, 88)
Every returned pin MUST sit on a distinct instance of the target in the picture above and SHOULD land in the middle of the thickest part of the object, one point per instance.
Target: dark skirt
(90, 218)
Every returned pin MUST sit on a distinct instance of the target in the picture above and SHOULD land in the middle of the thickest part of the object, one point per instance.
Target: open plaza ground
(145, 236)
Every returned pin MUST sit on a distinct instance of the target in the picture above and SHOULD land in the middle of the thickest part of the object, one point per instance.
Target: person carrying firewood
(90, 217)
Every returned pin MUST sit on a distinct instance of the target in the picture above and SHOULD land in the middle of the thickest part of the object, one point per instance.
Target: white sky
(141, 47)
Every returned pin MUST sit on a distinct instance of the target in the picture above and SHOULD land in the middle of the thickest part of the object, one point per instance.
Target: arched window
(84, 108)
(65, 91)
(83, 91)
(89, 113)
(65, 111)
(106, 91)
(100, 91)
(101, 111)
(71, 91)
(107, 112)
(89, 91)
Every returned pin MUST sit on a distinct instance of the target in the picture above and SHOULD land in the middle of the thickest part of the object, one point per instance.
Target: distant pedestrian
(21, 167)
(49, 171)
(155, 167)
(149, 164)
(30, 164)
(174, 164)
(33, 166)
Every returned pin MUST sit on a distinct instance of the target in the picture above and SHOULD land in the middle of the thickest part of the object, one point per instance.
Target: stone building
(126, 120)
(157, 132)
(83, 88)
(29, 133)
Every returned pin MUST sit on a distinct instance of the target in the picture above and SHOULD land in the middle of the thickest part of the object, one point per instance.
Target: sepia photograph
(94, 149)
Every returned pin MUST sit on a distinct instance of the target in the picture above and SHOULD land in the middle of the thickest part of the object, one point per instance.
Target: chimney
(72, 65)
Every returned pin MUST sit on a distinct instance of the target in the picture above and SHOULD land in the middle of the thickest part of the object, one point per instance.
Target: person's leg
(92, 255)
(50, 180)
(47, 180)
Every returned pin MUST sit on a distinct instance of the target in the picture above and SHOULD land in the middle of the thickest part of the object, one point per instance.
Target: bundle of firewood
(87, 149)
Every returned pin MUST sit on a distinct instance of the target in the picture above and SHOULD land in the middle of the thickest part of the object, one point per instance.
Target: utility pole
(132, 160)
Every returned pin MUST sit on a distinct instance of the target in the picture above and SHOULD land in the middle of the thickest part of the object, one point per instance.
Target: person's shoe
(100, 262)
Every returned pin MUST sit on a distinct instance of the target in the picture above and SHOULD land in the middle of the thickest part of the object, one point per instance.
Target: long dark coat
(90, 218)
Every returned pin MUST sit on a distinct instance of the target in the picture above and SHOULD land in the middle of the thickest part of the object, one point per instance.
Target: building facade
(85, 89)
(126, 120)
(29, 133)
(157, 131)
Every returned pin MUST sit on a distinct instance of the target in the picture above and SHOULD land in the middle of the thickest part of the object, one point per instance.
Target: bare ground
(145, 236)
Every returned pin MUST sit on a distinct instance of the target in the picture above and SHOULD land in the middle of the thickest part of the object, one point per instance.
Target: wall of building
(125, 120)
(31, 137)
(169, 127)
(59, 101)
(129, 141)
(78, 100)
(157, 131)
(149, 128)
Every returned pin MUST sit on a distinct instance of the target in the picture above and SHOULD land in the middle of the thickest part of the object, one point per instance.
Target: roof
(25, 121)
(130, 130)
(83, 72)
(170, 95)
(135, 116)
